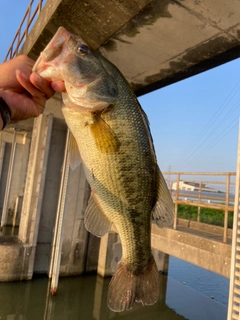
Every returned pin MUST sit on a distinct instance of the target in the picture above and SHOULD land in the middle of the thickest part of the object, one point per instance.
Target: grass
(210, 216)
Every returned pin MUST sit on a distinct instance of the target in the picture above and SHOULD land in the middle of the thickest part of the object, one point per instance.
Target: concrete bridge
(194, 242)
(154, 43)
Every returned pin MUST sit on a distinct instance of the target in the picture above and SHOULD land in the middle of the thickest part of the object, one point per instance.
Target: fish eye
(82, 49)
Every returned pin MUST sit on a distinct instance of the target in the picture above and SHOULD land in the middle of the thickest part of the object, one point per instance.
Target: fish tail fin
(127, 287)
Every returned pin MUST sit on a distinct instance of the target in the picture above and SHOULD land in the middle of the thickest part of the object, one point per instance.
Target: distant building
(193, 186)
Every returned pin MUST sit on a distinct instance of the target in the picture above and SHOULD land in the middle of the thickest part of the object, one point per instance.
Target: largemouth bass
(113, 137)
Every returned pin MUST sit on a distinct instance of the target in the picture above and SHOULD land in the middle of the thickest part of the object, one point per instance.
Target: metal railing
(24, 28)
(194, 195)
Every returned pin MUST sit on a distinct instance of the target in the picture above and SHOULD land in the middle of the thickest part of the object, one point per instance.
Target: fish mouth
(52, 56)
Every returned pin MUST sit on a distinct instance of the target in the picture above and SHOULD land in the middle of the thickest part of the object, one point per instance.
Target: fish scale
(124, 167)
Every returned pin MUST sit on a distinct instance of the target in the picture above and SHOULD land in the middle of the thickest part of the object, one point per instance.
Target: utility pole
(169, 176)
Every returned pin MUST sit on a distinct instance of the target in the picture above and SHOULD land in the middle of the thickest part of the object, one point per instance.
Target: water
(84, 298)
(205, 282)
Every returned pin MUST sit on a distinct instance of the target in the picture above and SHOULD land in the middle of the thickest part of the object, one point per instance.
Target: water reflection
(84, 298)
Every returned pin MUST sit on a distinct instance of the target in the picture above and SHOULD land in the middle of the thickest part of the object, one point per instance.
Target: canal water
(188, 292)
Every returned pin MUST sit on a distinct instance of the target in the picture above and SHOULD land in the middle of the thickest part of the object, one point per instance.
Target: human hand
(25, 92)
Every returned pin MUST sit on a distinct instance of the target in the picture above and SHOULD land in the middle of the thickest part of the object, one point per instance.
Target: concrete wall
(4, 174)
(19, 171)
(50, 196)
(18, 177)
(37, 176)
(75, 235)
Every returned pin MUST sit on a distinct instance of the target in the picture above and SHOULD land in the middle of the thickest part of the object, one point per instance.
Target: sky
(194, 122)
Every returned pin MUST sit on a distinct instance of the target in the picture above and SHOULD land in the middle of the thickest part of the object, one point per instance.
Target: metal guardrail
(24, 28)
(199, 198)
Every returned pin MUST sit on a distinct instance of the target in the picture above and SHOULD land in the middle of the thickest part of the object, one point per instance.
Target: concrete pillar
(33, 195)
(14, 162)
(162, 260)
(5, 155)
(8, 184)
(50, 196)
(60, 217)
(2, 151)
(17, 211)
(75, 236)
(109, 254)
(70, 241)
(93, 246)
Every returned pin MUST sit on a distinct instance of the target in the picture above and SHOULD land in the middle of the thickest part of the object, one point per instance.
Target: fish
(111, 132)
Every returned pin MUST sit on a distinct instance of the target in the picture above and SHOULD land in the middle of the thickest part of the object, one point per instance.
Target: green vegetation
(210, 216)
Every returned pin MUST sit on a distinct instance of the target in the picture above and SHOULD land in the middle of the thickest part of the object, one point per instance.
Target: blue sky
(194, 122)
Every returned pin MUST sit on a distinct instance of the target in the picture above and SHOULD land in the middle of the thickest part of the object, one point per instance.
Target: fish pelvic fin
(128, 287)
(105, 138)
(74, 154)
(163, 211)
(95, 220)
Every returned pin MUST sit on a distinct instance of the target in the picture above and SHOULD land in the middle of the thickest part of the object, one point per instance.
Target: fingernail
(37, 78)
(21, 74)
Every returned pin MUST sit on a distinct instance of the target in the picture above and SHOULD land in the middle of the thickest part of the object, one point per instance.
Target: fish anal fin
(163, 211)
(127, 287)
(74, 153)
(105, 138)
(95, 220)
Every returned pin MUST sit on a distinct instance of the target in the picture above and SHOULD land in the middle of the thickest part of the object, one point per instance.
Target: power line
(217, 139)
(204, 136)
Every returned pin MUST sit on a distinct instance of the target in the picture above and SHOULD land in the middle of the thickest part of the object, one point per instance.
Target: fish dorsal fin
(163, 211)
(105, 138)
(96, 221)
(74, 153)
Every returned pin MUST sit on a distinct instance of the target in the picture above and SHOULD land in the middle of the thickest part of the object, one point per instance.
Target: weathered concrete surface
(203, 249)
(154, 43)
(18, 173)
(208, 228)
(75, 235)
(14, 259)
(50, 196)
(110, 254)
(208, 254)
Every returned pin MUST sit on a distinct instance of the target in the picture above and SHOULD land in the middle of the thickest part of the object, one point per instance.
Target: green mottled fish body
(113, 137)
(123, 181)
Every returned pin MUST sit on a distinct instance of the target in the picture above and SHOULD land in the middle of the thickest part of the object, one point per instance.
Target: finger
(58, 86)
(25, 82)
(38, 97)
(21, 106)
(42, 84)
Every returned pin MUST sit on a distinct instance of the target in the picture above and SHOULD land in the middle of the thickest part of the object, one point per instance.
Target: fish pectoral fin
(74, 153)
(163, 211)
(105, 138)
(95, 220)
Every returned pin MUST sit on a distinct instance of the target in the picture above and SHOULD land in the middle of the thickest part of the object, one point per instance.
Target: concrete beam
(106, 19)
(154, 43)
(205, 253)
(7, 136)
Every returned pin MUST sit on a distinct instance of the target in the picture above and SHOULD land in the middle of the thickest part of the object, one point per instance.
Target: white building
(192, 186)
